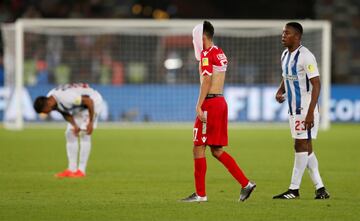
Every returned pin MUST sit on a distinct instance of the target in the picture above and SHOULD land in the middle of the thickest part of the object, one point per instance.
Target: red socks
(233, 168)
(200, 171)
(229, 163)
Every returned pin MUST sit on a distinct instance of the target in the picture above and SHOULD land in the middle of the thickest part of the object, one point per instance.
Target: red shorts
(214, 131)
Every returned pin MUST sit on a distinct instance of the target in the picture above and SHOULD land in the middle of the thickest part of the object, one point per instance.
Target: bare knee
(199, 152)
(217, 151)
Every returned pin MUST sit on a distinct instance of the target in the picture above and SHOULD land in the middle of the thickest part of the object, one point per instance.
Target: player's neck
(294, 47)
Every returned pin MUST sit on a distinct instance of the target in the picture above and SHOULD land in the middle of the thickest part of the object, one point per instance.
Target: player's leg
(72, 148)
(228, 161)
(199, 164)
(300, 163)
(199, 175)
(85, 140)
(85, 148)
(313, 168)
(230, 164)
(300, 136)
(200, 169)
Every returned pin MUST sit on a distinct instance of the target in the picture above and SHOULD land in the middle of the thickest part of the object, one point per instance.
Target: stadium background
(124, 65)
(139, 172)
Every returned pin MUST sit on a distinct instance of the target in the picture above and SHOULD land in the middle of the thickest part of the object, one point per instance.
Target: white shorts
(297, 126)
(82, 118)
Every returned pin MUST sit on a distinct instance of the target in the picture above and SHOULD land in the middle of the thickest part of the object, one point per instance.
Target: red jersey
(213, 59)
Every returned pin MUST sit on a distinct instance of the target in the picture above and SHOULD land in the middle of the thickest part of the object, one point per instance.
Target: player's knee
(70, 137)
(216, 151)
(199, 152)
(86, 138)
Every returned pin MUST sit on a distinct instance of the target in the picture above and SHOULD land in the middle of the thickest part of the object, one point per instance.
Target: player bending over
(79, 105)
(212, 115)
(301, 83)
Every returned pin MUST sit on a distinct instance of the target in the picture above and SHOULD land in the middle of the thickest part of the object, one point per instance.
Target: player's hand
(76, 130)
(279, 96)
(89, 128)
(200, 114)
(309, 121)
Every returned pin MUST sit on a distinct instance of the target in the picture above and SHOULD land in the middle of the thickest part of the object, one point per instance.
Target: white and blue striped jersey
(298, 67)
(68, 97)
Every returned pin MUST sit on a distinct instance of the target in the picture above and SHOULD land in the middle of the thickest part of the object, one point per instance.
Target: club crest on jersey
(205, 61)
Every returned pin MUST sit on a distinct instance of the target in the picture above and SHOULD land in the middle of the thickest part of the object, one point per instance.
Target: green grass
(139, 174)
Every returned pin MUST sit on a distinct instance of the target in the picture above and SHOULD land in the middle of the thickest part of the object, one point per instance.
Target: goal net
(146, 69)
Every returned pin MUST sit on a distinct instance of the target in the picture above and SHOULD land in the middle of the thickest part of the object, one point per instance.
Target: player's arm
(280, 92)
(69, 118)
(315, 93)
(200, 71)
(89, 104)
(204, 90)
(312, 72)
(205, 71)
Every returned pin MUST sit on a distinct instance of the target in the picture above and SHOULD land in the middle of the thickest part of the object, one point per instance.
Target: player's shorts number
(300, 125)
(195, 131)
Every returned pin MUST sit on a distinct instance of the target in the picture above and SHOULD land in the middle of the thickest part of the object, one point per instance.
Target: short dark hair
(208, 29)
(297, 26)
(40, 103)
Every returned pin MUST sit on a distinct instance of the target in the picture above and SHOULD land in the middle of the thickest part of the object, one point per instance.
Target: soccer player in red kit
(212, 118)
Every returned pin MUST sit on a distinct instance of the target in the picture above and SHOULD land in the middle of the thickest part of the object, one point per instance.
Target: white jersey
(298, 67)
(68, 97)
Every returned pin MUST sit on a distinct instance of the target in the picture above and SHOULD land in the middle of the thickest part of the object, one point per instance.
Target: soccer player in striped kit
(210, 127)
(301, 86)
(80, 105)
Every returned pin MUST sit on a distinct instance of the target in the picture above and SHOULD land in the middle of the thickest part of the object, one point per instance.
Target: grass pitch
(140, 174)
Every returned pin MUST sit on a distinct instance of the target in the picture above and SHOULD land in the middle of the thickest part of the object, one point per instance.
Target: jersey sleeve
(206, 66)
(310, 66)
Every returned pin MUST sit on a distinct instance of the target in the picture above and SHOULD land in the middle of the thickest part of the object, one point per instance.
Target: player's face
(205, 40)
(289, 36)
(47, 109)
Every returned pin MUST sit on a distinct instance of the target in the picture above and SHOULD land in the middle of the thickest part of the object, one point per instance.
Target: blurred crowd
(124, 58)
(106, 64)
(345, 18)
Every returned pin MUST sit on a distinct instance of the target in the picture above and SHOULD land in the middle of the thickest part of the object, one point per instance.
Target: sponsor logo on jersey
(205, 61)
(291, 77)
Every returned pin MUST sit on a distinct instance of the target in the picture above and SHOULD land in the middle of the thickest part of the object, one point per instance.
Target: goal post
(150, 54)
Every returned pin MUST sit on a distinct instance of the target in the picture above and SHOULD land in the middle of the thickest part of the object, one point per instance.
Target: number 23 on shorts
(300, 125)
